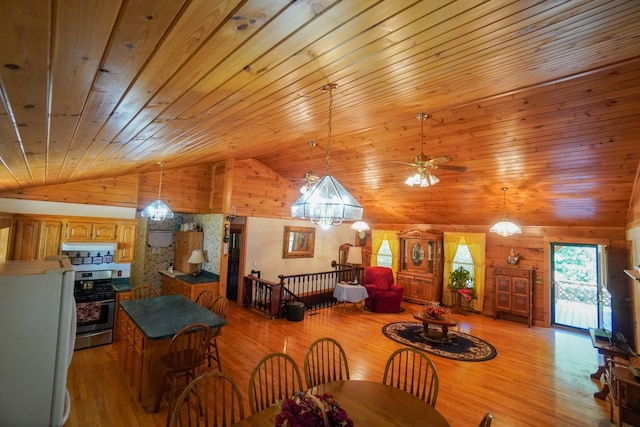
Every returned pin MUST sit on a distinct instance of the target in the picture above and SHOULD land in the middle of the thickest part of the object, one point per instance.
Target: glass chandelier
(505, 227)
(327, 202)
(157, 210)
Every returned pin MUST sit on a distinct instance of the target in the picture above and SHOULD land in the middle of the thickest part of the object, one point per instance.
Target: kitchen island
(147, 328)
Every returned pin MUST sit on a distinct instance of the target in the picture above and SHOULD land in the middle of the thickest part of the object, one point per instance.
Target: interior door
(233, 266)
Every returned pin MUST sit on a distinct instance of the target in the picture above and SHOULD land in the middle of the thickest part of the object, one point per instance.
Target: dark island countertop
(161, 317)
(121, 284)
(203, 277)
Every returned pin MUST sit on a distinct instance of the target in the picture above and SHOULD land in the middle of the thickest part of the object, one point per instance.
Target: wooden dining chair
(187, 351)
(412, 371)
(275, 377)
(325, 361)
(486, 420)
(212, 399)
(143, 291)
(206, 299)
(220, 306)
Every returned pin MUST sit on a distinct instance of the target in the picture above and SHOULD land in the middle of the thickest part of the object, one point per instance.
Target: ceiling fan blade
(441, 159)
(451, 168)
(403, 163)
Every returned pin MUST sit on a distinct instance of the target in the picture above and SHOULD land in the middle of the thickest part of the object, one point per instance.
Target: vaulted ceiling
(542, 97)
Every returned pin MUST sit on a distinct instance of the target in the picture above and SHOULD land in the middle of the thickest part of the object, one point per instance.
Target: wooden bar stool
(187, 351)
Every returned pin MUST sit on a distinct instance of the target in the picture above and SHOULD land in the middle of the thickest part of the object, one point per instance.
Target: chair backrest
(220, 306)
(412, 371)
(325, 361)
(188, 347)
(144, 291)
(206, 299)
(212, 399)
(382, 277)
(486, 420)
(275, 377)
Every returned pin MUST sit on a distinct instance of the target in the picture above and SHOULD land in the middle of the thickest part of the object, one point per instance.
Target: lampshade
(157, 210)
(355, 255)
(196, 257)
(505, 227)
(423, 179)
(360, 226)
(327, 203)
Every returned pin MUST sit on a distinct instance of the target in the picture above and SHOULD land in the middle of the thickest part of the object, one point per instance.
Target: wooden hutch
(421, 265)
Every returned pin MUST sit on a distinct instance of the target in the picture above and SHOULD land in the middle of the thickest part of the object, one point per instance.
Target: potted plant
(461, 287)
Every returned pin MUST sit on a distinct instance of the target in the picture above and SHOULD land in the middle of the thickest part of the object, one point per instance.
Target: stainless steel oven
(95, 308)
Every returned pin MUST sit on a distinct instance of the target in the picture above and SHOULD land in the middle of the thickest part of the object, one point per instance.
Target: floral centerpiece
(307, 410)
(433, 310)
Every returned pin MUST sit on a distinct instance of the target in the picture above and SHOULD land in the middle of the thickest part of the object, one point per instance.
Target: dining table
(367, 403)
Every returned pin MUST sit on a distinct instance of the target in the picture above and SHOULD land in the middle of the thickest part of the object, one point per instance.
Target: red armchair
(384, 295)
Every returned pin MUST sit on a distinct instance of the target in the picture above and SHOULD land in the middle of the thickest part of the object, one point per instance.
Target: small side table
(432, 334)
(350, 293)
(626, 395)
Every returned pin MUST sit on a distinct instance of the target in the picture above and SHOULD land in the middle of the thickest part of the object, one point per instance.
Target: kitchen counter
(203, 277)
(121, 284)
(161, 317)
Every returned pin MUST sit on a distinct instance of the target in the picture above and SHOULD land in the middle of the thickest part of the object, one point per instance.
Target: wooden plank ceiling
(540, 96)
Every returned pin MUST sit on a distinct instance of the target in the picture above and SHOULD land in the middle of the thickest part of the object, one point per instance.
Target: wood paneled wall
(531, 243)
(115, 191)
(258, 191)
(184, 190)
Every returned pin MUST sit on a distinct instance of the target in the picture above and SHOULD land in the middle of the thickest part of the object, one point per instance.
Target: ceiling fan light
(424, 179)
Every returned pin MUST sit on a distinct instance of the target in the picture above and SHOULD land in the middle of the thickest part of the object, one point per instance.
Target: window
(384, 255)
(463, 258)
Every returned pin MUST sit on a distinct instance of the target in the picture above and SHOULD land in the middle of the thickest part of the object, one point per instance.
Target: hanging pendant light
(157, 210)
(505, 227)
(327, 203)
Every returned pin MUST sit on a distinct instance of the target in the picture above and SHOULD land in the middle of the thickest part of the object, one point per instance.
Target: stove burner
(93, 286)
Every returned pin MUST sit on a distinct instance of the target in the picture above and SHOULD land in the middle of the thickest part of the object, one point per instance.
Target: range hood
(102, 247)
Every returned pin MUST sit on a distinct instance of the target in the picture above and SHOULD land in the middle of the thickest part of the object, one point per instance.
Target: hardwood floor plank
(540, 376)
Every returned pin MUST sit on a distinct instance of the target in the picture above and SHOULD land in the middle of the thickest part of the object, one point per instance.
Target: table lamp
(354, 258)
(196, 258)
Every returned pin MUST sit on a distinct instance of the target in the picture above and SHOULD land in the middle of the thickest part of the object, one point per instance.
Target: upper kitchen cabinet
(80, 231)
(126, 237)
(36, 238)
(50, 238)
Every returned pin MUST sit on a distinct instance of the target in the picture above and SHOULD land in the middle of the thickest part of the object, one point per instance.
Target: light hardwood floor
(539, 378)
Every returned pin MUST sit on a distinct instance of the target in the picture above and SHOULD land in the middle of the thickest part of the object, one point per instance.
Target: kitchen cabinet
(178, 286)
(26, 234)
(81, 231)
(119, 317)
(126, 238)
(186, 242)
(50, 238)
(514, 292)
(131, 355)
(421, 264)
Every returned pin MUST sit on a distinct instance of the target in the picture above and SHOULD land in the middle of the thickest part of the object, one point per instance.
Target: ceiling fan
(425, 164)
(309, 177)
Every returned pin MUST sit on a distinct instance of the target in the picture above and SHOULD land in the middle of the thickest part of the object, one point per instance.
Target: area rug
(464, 347)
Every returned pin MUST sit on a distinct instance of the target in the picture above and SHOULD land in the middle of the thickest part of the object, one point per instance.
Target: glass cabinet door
(430, 255)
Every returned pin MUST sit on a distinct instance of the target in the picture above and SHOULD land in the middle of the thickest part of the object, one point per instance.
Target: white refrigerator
(37, 335)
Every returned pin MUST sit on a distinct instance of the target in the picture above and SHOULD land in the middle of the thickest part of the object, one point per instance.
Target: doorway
(579, 296)
(233, 263)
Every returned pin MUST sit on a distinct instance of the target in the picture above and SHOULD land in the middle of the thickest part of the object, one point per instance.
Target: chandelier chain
(160, 185)
(330, 88)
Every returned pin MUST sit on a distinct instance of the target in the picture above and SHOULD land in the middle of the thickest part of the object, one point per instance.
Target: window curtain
(476, 242)
(377, 237)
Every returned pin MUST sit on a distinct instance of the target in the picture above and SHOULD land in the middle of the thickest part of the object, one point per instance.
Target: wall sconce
(196, 258)
(232, 216)
(227, 232)
(361, 227)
